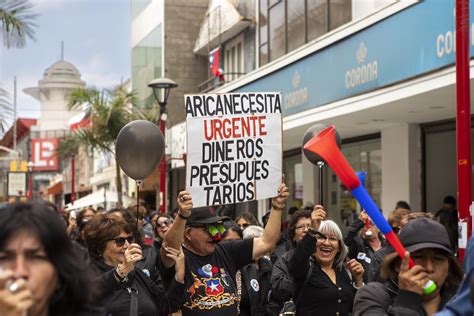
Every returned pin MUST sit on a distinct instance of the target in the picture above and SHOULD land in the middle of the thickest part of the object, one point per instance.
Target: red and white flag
(214, 62)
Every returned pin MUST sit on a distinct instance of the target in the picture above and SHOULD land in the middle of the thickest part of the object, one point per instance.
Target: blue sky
(96, 35)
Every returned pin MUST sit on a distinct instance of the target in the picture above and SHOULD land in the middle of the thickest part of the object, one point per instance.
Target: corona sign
(44, 154)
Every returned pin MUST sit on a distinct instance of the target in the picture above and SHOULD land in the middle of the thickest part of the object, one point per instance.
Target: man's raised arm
(174, 236)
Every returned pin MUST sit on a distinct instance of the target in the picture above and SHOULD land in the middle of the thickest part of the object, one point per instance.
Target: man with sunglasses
(211, 265)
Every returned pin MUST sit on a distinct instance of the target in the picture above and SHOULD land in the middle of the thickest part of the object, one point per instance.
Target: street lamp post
(30, 166)
(161, 90)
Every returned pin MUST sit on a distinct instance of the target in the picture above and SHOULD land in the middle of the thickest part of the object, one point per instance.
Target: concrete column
(401, 166)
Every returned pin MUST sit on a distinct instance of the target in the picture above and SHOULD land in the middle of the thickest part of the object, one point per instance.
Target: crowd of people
(135, 262)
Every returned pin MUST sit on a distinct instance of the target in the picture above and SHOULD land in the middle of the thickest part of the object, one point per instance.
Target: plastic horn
(324, 145)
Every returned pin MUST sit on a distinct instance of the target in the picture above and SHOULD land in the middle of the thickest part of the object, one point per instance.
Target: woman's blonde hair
(329, 227)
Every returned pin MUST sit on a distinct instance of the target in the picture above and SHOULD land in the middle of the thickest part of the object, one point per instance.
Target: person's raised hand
(317, 215)
(15, 297)
(185, 203)
(177, 255)
(278, 202)
(363, 216)
(357, 271)
(412, 279)
(132, 255)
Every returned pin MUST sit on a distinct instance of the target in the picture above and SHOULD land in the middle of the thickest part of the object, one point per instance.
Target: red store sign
(45, 157)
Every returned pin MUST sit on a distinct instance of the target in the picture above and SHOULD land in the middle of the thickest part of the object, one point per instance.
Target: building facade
(370, 68)
(163, 37)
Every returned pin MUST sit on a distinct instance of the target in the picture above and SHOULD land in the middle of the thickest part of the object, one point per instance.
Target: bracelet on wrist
(120, 275)
(357, 287)
(182, 216)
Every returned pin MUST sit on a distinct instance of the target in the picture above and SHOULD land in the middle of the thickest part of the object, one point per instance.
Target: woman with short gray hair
(326, 283)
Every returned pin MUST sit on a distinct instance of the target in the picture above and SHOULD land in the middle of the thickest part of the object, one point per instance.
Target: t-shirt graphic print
(210, 280)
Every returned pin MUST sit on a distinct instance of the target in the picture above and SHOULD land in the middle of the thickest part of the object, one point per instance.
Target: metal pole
(14, 113)
(73, 179)
(30, 184)
(463, 116)
(163, 170)
(320, 166)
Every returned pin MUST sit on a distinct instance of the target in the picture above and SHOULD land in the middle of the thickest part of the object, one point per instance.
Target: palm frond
(6, 111)
(17, 22)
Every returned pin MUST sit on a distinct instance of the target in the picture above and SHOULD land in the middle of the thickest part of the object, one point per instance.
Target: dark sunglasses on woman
(120, 241)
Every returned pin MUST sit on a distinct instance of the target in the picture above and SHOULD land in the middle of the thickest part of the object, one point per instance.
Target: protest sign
(234, 147)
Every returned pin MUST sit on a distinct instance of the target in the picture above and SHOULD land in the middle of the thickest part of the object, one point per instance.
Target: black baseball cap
(423, 233)
(202, 216)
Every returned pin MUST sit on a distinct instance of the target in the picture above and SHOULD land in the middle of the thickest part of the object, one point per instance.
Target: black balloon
(139, 147)
(310, 133)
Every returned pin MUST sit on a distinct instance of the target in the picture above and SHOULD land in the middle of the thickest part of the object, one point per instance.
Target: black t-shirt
(210, 280)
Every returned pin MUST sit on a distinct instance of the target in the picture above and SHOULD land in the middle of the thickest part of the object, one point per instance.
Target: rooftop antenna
(62, 50)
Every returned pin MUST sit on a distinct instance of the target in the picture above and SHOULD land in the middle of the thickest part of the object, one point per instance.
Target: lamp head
(164, 85)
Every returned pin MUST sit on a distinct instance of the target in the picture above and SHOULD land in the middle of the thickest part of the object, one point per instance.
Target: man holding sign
(239, 163)
(234, 147)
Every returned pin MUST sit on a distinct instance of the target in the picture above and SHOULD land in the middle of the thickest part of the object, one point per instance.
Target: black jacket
(379, 299)
(359, 248)
(282, 281)
(375, 267)
(115, 294)
(256, 293)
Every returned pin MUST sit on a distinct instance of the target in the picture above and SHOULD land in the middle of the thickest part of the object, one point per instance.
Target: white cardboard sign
(234, 144)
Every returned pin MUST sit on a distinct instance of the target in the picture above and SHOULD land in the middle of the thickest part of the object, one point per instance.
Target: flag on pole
(214, 63)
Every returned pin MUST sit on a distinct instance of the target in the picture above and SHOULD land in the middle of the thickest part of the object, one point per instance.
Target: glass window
(362, 156)
(276, 29)
(263, 32)
(263, 54)
(339, 13)
(146, 64)
(296, 24)
(317, 18)
(138, 6)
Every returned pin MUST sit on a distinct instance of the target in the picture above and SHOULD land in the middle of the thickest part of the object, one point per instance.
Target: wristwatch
(182, 216)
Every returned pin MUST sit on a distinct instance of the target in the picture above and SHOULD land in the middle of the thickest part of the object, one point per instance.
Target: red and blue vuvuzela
(324, 145)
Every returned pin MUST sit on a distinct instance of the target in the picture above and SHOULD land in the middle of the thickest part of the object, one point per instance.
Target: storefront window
(440, 164)
(362, 156)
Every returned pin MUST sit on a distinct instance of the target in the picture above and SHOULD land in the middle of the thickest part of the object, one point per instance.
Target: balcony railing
(215, 82)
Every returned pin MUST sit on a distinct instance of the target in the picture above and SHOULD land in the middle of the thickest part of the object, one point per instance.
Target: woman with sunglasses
(125, 289)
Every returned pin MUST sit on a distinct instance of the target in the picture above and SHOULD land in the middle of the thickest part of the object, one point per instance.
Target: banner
(234, 146)
(16, 184)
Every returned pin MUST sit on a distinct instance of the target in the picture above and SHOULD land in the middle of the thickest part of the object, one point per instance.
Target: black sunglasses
(166, 222)
(120, 241)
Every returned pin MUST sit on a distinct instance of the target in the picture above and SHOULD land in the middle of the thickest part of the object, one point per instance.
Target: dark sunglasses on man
(120, 241)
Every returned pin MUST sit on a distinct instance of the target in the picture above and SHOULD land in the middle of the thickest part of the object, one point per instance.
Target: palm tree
(17, 23)
(109, 110)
